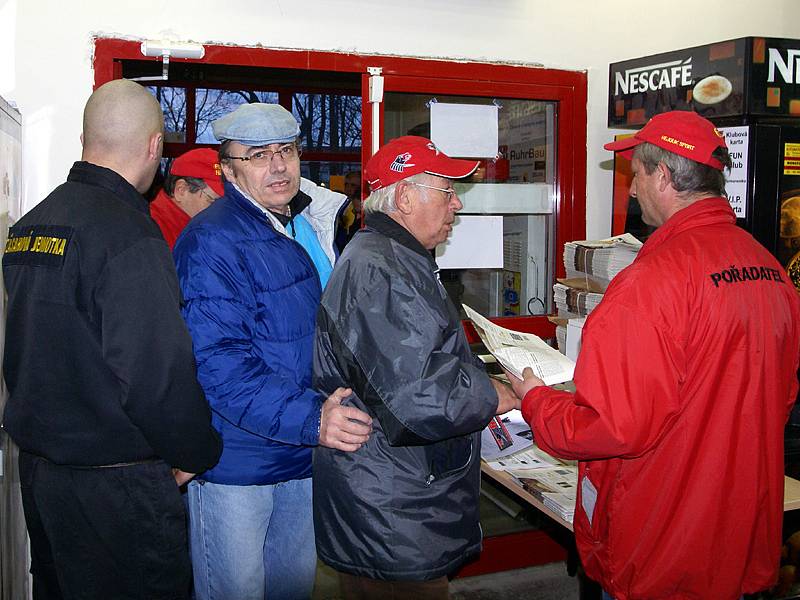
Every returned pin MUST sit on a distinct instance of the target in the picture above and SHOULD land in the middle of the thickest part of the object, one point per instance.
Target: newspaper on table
(515, 351)
(522, 461)
(556, 487)
(600, 260)
(551, 480)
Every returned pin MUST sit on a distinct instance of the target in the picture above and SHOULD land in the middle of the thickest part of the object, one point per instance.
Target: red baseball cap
(202, 163)
(680, 131)
(410, 155)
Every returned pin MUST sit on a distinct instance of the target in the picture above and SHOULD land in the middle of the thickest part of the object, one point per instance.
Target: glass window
(173, 105)
(517, 185)
(328, 121)
(211, 104)
(321, 172)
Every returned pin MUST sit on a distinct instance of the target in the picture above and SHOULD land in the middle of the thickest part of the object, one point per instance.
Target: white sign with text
(737, 139)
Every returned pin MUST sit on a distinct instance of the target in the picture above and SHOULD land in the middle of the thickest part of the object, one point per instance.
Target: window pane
(519, 186)
(321, 172)
(328, 121)
(173, 105)
(212, 104)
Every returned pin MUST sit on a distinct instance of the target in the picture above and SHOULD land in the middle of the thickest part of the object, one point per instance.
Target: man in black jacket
(399, 514)
(104, 403)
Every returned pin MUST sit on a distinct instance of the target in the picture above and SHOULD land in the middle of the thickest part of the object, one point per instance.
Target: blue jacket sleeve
(221, 311)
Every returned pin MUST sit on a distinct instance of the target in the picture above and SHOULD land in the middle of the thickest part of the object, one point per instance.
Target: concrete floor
(546, 582)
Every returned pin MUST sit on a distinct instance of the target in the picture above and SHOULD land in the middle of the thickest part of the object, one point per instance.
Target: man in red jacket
(685, 379)
(193, 183)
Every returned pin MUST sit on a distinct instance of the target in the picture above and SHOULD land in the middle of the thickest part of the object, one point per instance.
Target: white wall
(50, 76)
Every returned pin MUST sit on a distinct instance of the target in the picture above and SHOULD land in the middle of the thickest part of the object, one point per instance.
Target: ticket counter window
(517, 184)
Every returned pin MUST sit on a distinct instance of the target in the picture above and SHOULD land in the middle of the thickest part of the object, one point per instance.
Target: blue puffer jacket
(251, 295)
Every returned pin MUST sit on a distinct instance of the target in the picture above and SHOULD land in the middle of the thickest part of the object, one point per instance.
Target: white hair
(382, 200)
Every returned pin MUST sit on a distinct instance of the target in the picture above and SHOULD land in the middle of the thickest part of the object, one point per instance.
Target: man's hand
(524, 385)
(506, 400)
(343, 427)
(182, 477)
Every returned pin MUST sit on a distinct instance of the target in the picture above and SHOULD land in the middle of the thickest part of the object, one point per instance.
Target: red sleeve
(627, 379)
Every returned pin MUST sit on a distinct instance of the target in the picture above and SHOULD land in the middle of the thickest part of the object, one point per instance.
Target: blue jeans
(252, 542)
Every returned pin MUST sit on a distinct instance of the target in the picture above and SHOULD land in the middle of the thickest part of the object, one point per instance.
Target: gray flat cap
(257, 124)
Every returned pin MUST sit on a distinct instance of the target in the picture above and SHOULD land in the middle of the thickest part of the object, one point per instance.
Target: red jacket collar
(709, 211)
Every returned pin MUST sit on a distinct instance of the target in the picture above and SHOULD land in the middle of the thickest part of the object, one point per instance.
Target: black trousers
(105, 533)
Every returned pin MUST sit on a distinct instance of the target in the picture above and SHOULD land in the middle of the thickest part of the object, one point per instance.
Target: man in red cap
(193, 183)
(400, 514)
(685, 379)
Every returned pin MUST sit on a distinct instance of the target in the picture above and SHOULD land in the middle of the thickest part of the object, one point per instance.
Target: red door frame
(568, 88)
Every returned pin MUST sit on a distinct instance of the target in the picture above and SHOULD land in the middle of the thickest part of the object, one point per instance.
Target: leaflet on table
(522, 460)
(551, 480)
(505, 435)
(516, 351)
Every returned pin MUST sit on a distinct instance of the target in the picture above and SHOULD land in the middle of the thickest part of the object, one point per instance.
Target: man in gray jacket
(398, 515)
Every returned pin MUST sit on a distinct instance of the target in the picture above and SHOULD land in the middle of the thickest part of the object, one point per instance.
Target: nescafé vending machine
(748, 87)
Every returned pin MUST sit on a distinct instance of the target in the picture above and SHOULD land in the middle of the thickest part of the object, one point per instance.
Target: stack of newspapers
(574, 302)
(599, 261)
(556, 487)
(590, 267)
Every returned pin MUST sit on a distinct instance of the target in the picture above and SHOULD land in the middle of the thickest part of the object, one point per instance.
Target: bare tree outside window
(329, 121)
(173, 105)
(212, 104)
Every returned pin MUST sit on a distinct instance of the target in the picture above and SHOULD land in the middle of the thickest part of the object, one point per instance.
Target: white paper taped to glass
(516, 351)
(465, 130)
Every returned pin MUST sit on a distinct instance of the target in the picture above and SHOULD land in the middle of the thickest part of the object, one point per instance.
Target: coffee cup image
(712, 89)
(790, 218)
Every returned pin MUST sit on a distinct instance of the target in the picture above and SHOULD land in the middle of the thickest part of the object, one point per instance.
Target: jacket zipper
(431, 477)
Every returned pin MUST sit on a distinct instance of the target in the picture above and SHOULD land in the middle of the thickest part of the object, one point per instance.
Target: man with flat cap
(193, 183)
(684, 382)
(104, 401)
(252, 268)
(401, 514)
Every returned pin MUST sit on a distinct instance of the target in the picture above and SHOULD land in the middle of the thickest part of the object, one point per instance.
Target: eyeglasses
(209, 196)
(449, 192)
(263, 157)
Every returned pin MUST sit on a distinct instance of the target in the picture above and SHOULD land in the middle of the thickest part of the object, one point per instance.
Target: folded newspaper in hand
(515, 351)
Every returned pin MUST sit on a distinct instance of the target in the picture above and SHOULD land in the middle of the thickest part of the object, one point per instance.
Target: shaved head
(120, 123)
